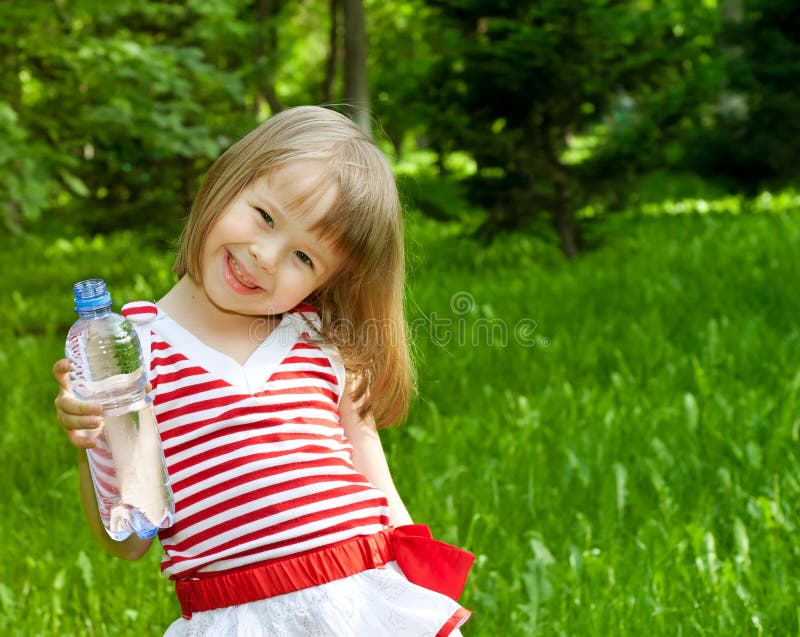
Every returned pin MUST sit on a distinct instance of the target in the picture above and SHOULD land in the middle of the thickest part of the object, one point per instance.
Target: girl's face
(261, 257)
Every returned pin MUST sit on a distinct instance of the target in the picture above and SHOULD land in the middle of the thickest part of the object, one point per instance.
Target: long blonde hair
(361, 306)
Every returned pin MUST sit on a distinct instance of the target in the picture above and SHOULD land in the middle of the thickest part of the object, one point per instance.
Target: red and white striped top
(257, 458)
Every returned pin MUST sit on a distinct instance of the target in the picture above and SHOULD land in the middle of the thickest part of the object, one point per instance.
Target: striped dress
(258, 461)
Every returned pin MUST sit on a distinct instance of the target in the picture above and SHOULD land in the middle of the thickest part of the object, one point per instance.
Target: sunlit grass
(766, 203)
(615, 438)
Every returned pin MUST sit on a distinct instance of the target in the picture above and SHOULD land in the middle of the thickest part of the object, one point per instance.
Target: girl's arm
(368, 456)
(79, 418)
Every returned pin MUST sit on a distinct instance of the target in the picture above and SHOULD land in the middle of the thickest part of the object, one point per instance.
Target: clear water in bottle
(127, 462)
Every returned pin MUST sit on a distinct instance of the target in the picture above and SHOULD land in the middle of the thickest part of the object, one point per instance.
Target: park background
(602, 226)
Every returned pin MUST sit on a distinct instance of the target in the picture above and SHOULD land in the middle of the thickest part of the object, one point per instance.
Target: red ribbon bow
(429, 563)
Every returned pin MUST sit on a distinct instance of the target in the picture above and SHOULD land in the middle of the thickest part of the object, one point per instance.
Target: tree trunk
(333, 53)
(565, 225)
(356, 86)
(265, 53)
(563, 216)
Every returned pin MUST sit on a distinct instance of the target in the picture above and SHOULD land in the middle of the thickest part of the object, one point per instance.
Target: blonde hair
(361, 306)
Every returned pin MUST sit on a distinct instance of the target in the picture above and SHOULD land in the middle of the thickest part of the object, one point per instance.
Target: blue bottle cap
(91, 295)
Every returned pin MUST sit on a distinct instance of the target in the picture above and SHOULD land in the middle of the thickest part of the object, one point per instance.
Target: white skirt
(376, 602)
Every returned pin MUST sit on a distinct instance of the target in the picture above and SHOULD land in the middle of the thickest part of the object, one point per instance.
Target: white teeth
(242, 276)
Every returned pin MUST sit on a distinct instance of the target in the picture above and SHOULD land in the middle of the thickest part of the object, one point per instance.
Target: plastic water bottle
(127, 463)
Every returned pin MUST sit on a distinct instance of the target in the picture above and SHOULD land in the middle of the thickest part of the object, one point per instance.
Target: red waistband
(423, 560)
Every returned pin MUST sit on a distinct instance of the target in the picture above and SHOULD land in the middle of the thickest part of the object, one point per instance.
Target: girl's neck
(227, 332)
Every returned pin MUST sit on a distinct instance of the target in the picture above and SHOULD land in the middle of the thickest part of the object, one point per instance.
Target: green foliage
(120, 105)
(59, 583)
(520, 80)
(629, 471)
(24, 181)
(111, 113)
(753, 140)
(615, 438)
(406, 41)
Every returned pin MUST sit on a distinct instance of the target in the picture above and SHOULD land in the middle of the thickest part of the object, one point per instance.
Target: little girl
(273, 360)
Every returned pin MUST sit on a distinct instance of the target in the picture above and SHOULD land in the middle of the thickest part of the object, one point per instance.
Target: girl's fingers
(81, 419)
(61, 373)
(82, 438)
(71, 405)
(72, 413)
(76, 422)
(77, 414)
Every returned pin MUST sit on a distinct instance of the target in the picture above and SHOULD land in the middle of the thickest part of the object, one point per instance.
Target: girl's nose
(265, 255)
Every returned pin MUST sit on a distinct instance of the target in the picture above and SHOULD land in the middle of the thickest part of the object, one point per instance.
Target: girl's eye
(266, 217)
(304, 258)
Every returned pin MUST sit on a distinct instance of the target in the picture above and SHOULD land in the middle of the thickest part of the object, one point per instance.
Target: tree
(119, 105)
(111, 113)
(266, 55)
(332, 59)
(32, 171)
(753, 138)
(356, 82)
(522, 78)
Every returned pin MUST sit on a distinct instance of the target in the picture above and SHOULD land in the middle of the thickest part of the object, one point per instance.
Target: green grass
(616, 438)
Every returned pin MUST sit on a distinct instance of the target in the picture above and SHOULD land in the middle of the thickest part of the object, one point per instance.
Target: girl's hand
(81, 419)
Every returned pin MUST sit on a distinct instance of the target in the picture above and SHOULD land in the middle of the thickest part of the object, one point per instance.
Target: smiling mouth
(239, 277)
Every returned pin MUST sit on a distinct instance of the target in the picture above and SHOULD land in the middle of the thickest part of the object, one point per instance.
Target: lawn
(615, 438)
